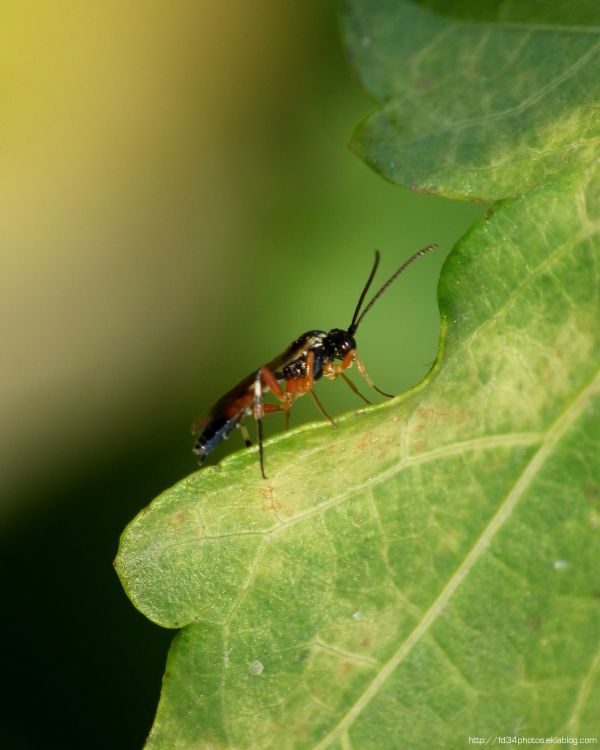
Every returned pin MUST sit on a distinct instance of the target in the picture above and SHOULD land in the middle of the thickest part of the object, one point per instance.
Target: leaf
(429, 570)
(486, 101)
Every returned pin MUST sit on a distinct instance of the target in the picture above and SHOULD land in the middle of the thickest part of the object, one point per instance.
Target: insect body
(290, 375)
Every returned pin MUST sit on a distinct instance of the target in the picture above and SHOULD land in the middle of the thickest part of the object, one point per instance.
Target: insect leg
(354, 388)
(321, 408)
(245, 435)
(309, 382)
(265, 377)
(365, 374)
(259, 414)
(331, 371)
(269, 379)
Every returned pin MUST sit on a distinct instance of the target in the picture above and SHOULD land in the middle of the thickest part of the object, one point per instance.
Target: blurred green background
(177, 203)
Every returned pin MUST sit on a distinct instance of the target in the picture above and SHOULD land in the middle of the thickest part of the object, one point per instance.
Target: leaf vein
(487, 442)
(554, 433)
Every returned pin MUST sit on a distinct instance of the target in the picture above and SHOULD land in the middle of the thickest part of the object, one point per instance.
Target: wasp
(293, 374)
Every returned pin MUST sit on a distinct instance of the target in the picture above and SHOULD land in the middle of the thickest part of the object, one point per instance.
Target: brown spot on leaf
(266, 491)
(365, 441)
(271, 505)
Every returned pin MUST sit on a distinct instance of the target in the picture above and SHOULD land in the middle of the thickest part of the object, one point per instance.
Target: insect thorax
(326, 347)
(311, 341)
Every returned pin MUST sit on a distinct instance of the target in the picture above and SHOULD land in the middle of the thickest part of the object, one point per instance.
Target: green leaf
(486, 101)
(427, 571)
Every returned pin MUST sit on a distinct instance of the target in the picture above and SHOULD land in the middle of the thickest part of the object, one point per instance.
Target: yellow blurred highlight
(177, 203)
(118, 198)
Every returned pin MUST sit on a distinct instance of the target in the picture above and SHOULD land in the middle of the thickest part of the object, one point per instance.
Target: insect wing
(241, 396)
(225, 403)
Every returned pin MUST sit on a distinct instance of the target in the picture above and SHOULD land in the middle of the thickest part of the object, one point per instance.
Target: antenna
(356, 319)
(363, 294)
